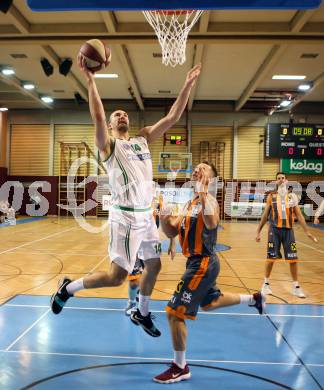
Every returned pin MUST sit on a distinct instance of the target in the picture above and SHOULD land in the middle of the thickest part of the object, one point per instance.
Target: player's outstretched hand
(258, 237)
(82, 65)
(313, 238)
(193, 75)
(316, 221)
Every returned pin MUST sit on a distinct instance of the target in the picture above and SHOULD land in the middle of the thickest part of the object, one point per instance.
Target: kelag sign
(304, 167)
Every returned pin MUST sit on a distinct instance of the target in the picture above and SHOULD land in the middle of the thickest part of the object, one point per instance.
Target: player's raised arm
(151, 133)
(104, 141)
(264, 218)
(210, 208)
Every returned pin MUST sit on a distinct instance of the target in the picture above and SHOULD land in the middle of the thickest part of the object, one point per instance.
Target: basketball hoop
(172, 175)
(172, 29)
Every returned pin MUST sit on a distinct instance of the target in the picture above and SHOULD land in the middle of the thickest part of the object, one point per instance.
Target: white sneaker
(298, 292)
(266, 290)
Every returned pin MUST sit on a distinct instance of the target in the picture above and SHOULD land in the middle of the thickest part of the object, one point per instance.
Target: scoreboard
(294, 141)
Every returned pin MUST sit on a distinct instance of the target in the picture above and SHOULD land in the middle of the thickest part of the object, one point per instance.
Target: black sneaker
(260, 302)
(145, 322)
(59, 299)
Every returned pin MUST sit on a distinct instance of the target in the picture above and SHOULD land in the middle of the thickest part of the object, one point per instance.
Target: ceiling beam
(296, 24)
(123, 56)
(299, 20)
(18, 20)
(270, 60)
(77, 83)
(14, 81)
(214, 28)
(68, 28)
(195, 38)
(199, 52)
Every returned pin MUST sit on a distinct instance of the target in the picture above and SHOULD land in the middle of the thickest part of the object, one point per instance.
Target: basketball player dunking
(132, 227)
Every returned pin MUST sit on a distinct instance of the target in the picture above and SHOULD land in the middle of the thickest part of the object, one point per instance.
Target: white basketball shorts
(131, 233)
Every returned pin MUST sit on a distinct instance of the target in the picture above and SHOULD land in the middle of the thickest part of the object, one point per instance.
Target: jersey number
(136, 148)
(158, 248)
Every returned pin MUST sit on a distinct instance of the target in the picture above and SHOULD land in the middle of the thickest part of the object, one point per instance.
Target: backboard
(175, 162)
(131, 5)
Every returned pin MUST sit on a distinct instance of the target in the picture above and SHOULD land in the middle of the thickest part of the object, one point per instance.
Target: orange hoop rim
(173, 12)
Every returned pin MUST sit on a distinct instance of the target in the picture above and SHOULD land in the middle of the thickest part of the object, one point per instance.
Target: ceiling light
(47, 67)
(106, 76)
(285, 103)
(287, 77)
(65, 66)
(309, 56)
(18, 55)
(8, 71)
(3, 109)
(29, 86)
(47, 99)
(305, 87)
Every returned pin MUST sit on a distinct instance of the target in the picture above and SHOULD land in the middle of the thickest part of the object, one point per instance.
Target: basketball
(97, 55)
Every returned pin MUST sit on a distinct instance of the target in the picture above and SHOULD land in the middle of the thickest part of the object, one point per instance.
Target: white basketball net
(172, 29)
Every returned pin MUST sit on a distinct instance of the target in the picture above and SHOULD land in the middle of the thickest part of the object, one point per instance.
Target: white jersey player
(132, 227)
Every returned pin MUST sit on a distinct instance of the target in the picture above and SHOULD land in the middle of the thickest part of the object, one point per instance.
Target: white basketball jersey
(130, 173)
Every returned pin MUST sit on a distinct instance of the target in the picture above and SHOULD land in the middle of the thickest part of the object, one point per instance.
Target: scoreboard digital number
(294, 141)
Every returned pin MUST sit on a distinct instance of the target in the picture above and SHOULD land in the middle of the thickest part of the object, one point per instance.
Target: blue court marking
(91, 341)
(14, 322)
(130, 5)
(321, 227)
(22, 221)
(317, 311)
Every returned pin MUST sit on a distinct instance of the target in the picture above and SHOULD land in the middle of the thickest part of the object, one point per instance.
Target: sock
(248, 299)
(180, 358)
(132, 293)
(295, 283)
(143, 304)
(75, 286)
(266, 280)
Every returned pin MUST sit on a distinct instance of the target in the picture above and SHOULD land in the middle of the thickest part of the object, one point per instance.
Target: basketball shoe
(58, 300)
(173, 374)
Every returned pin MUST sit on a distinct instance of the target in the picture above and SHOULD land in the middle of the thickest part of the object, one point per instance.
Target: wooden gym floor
(36, 254)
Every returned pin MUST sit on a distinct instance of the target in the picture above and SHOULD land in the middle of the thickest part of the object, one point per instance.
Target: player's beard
(123, 127)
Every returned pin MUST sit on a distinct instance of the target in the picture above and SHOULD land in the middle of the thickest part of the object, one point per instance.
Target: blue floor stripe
(321, 227)
(119, 303)
(22, 221)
